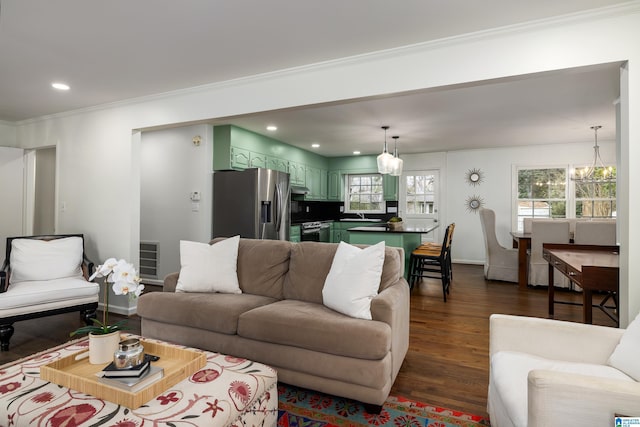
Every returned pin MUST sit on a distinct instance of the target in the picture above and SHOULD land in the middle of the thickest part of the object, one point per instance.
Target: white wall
(11, 194)
(172, 167)
(8, 134)
(99, 148)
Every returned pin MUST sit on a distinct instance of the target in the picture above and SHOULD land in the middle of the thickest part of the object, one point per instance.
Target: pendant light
(385, 160)
(396, 170)
(588, 174)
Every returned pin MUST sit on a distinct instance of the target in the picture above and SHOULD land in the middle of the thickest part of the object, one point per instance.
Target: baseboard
(126, 311)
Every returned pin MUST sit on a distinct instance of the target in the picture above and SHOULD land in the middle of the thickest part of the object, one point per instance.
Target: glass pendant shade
(385, 163)
(385, 159)
(396, 165)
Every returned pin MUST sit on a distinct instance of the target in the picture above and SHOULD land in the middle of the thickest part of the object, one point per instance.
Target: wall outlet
(341, 208)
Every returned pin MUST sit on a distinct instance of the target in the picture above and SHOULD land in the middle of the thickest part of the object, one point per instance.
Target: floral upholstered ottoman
(227, 391)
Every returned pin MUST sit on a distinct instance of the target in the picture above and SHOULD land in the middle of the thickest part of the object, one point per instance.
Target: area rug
(299, 407)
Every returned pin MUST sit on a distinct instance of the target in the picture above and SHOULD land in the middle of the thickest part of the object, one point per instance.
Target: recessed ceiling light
(315, 145)
(60, 86)
(272, 128)
(356, 153)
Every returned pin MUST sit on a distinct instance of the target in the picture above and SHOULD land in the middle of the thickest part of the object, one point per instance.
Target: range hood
(296, 189)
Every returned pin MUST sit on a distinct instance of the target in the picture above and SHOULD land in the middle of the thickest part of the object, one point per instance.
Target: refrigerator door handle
(278, 207)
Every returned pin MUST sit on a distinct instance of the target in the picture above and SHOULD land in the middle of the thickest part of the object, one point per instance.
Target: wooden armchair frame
(87, 311)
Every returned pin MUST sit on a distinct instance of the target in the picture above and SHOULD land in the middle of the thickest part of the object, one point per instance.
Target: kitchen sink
(361, 219)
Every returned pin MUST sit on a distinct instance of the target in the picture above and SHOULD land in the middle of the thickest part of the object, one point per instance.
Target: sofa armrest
(170, 282)
(559, 398)
(391, 306)
(553, 339)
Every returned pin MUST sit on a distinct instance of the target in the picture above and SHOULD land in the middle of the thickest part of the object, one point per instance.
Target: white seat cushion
(32, 293)
(509, 371)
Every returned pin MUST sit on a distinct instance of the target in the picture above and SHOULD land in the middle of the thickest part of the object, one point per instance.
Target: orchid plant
(125, 281)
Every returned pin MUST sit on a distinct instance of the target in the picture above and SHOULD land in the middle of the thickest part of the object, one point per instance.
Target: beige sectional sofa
(279, 319)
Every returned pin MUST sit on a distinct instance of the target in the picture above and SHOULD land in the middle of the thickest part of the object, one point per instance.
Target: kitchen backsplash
(302, 211)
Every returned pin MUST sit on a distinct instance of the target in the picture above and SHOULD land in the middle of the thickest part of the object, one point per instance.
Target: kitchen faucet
(360, 214)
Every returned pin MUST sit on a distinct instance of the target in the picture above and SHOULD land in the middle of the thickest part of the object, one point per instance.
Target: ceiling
(119, 50)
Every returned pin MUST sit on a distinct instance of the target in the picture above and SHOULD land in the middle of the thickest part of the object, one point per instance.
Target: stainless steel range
(315, 231)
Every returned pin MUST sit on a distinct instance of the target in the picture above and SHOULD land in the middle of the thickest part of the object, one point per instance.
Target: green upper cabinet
(390, 187)
(297, 172)
(240, 158)
(237, 148)
(314, 181)
(257, 160)
(278, 164)
(334, 185)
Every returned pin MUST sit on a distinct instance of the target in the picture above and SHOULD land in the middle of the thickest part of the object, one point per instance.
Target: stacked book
(131, 379)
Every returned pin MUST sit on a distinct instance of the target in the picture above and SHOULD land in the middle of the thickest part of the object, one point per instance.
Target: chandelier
(596, 172)
(385, 159)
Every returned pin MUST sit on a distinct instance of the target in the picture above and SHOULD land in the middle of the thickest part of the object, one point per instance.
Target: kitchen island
(407, 238)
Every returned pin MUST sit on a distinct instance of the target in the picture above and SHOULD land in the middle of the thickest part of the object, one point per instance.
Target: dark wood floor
(448, 360)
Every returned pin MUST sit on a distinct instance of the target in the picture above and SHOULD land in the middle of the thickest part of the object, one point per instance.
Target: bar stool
(433, 262)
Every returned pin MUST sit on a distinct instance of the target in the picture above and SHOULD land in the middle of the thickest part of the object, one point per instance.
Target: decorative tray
(178, 364)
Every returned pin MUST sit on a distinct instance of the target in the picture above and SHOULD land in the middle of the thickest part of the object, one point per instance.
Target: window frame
(347, 194)
(570, 199)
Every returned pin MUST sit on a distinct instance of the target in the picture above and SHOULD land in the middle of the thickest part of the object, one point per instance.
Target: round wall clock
(474, 176)
(474, 203)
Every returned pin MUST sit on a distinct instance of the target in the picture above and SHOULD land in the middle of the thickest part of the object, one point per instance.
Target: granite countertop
(385, 229)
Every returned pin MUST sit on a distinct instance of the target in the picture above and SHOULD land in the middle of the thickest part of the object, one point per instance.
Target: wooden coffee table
(226, 391)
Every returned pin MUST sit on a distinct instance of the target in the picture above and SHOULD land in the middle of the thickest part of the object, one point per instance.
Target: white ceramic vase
(102, 347)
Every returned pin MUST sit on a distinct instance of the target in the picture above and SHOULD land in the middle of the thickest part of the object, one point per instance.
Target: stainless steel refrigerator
(253, 203)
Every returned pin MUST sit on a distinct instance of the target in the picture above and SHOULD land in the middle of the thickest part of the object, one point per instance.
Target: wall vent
(149, 259)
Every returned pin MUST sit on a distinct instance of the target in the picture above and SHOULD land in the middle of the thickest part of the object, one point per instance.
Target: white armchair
(42, 276)
(552, 373)
(500, 263)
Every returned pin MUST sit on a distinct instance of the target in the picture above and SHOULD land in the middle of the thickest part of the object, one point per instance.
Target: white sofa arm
(553, 339)
(558, 398)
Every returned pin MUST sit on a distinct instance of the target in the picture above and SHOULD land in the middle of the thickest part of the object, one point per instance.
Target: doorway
(419, 200)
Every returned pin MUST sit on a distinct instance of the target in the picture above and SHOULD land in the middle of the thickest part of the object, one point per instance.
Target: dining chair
(500, 263)
(595, 233)
(556, 231)
(433, 262)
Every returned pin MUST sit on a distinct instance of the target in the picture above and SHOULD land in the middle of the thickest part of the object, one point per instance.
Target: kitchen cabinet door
(257, 160)
(312, 181)
(390, 187)
(297, 172)
(324, 177)
(240, 158)
(278, 164)
(334, 186)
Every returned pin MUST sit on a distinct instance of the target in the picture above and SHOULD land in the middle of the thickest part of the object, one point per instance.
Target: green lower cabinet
(294, 234)
(407, 241)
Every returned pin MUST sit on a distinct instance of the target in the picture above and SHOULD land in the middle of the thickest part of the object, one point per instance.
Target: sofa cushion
(262, 266)
(209, 267)
(353, 279)
(35, 259)
(510, 370)
(311, 262)
(211, 311)
(31, 293)
(625, 356)
(316, 327)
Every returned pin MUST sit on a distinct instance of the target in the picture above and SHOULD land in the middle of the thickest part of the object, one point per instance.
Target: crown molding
(622, 9)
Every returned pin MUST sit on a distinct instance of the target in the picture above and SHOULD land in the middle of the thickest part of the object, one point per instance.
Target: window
(364, 193)
(420, 197)
(548, 193)
(597, 198)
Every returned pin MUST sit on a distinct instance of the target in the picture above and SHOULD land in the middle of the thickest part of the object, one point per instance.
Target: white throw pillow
(625, 356)
(209, 268)
(354, 279)
(34, 259)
